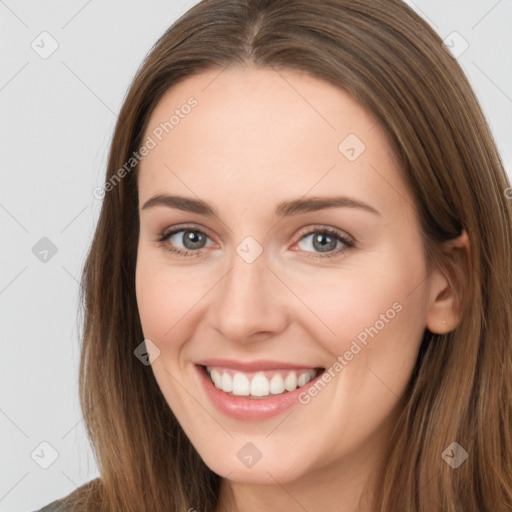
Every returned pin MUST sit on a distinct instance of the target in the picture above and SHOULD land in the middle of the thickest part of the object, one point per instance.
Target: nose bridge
(247, 302)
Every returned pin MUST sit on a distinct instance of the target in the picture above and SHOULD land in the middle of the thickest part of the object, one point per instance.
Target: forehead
(265, 131)
(252, 103)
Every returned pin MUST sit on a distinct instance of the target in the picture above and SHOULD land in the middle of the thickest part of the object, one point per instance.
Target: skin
(251, 142)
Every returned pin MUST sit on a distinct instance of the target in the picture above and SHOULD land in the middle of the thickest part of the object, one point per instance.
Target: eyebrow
(284, 209)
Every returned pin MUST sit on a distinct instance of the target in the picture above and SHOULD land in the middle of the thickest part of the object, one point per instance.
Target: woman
(299, 292)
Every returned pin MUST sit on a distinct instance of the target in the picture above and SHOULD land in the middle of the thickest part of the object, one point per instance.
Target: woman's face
(249, 175)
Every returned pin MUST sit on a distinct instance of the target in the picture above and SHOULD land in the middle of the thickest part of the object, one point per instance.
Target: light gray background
(56, 122)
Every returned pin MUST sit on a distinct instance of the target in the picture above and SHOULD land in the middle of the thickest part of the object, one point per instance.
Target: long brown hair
(384, 55)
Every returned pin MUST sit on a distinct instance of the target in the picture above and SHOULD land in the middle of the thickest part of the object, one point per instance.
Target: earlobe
(443, 314)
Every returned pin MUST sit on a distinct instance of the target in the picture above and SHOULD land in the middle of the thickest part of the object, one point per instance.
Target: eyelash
(349, 243)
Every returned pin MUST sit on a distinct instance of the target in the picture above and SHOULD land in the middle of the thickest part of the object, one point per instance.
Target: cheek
(374, 315)
(170, 300)
(161, 296)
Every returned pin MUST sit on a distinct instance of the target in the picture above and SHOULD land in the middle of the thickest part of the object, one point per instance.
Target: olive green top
(54, 506)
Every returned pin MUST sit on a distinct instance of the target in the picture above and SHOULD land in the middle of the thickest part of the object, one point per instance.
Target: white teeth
(241, 384)
(290, 383)
(259, 385)
(276, 384)
(302, 379)
(226, 382)
(216, 378)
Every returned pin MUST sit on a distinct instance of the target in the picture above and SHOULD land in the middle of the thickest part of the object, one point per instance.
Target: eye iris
(196, 239)
(324, 247)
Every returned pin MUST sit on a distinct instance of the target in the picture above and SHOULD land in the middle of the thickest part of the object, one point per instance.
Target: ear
(443, 314)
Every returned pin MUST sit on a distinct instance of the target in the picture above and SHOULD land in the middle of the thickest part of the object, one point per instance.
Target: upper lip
(253, 366)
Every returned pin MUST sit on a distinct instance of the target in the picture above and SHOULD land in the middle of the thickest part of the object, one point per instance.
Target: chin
(237, 465)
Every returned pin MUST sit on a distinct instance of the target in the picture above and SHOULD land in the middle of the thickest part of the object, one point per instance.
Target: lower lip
(249, 409)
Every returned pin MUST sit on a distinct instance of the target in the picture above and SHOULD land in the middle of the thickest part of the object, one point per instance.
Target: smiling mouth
(262, 384)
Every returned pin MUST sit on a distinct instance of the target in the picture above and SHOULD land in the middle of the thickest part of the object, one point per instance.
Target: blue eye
(193, 239)
(326, 241)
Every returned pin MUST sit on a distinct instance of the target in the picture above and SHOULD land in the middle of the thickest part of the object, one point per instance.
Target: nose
(249, 303)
